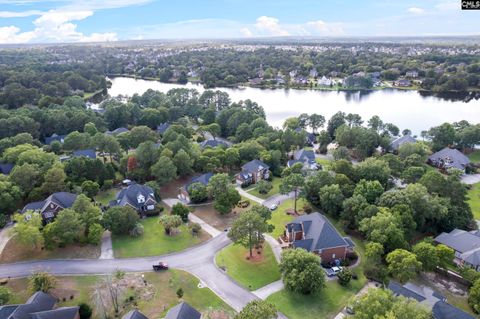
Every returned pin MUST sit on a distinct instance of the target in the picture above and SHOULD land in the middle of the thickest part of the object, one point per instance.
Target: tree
(292, 182)
(183, 163)
(247, 230)
(164, 170)
(331, 199)
(147, 154)
(217, 184)
(54, 180)
(197, 192)
(373, 169)
(337, 120)
(66, 229)
(90, 188)
(27, 229)
(5, 295)
(95, 233)
(10, 196)
(26, 176)
(227, 200)
(170, 222)
(316, 121)
(403, 265)
(89, 213)
(427, 255)
(445, 255)
(181, 210)
(264, 187)
(344, 276)
(41, 281)
(370, 190)
(301, 271)
(374, 251)
(442, 136)
(257, 309)
(474, 296)
(120, 220)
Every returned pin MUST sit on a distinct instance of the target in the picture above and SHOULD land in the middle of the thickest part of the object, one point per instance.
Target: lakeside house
(314, 233)
(253, 172)
(304, 157)
(51, 206)
(449, 158)
(39, 306)
(465, 244)
(402, 83)
(139, 197)
(405, 139)
(184, 192)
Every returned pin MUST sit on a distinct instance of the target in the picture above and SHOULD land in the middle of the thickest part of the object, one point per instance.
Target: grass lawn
(252, 274)
(154, 241)
(160, 293)
(104, 197)
(280, 217)
(474, 200)
(276, 181)
(474, 156)
(326, 164)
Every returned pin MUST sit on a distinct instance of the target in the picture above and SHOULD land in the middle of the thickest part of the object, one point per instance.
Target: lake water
(406, 109)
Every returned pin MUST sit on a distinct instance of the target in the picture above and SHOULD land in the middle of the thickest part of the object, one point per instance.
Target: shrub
(307, 208)
(344, 276)
(41, 281)
(180, 292)
(195, 228)
(85, 311)
(137, 231)
(5, 295)
(264, 187)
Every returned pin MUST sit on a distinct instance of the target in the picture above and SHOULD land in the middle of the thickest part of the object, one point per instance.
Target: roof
(38, 302)
(319, 233)
(58, 313)
(62, 199)
(213, 143)
(117, 131)
(254, 166)
(399, 290)
(449, 158)
(134, 314)
(54, 137)
(304, 155)
(6, 168)
(162, 128)
(405, 139)
(133, 194)
(460, 240)
(6, 311)
(90, 153)
(443, 310)
(202, 179)
(183, 311)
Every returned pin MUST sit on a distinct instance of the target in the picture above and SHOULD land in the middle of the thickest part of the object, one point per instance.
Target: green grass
(326, 164)
(250, 274)
(280, 218)
(276, 182)
(474, 156)
(474, 200)
(154, 241)
(106, 196)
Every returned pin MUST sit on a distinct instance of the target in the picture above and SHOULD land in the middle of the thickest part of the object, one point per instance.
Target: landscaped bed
(155, 241)
(153, 299)
(252, 273)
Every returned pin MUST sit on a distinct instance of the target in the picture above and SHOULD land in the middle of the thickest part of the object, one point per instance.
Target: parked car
(160, 266)
(333, 271)
(274, 206)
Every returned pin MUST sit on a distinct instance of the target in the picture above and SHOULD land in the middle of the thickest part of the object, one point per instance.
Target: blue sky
(34, 21)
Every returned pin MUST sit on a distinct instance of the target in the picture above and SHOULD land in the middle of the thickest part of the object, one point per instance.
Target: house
(310, 138)
(6, 168)
(255, 81)
(184, 190)
(411, 74)
(117, 131)
(324, 81)
(465, 244)
(306, 158)
(430, 299)
(39, 306)
(183, 311)
(402, 83)
(50, 207)
(314, 233)
(213, 143)
(134, 314)
(405, 139)
(90, 153)
(162, 128)
(449, 158)
(139, 197)
(252, 172)
(54, 137)
(313, 73)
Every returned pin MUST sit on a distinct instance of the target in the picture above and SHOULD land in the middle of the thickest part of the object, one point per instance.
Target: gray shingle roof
(202, 179)
(449, 158)
(162, 128)
(58, 313)
(63, 199)
(443, 310)
(134, 314)
(319, 233)
(90, 153)
(213, 143)
(460, 240)
(254, 166)
(54, 137)
(183, 311)
(130, 195)
(6, 168)
(395, 144)
(39, 301)
(117, 131)
(400, 290)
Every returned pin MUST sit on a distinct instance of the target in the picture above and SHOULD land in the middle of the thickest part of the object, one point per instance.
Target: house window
(333, 255)
(150, 207)
(140, 199)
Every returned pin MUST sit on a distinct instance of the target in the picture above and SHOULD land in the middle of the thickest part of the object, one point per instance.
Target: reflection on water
(407, 109)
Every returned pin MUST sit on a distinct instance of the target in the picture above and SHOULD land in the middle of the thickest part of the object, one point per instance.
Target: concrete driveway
(278, 199)
(470, 179)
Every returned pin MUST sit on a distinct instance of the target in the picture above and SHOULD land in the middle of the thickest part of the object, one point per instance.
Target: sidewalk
(277, 250)
(269, 289)
(206, 227)
(246, 194)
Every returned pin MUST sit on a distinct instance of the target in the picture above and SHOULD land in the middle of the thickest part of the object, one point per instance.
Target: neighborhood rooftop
(405, 139)
(449, 158)
(39, 306)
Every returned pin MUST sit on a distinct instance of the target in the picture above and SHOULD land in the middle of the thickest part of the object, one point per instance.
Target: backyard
(474, 200)
(474, 156)
(252, 273)
(154, 241)
(280, 218)
(153, 298)
(106, 196)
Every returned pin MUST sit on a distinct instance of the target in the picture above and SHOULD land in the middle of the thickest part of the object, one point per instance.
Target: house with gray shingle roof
(465, 244)
(117, 131)
(314, 233)
(183, 311)
(184, 193)
(252, 172)
(405, 139)
(139, 197)
(134, 314)
(449, 158)
(162, 128)
(90, 153)
(51, 206)
(304, 157)
(55, 137)
(213, 143)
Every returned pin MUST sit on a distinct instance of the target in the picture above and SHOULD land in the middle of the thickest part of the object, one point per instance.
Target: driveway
(5, 235)
(278, 199)
(106, 248)
(246, 194)
(470, 179)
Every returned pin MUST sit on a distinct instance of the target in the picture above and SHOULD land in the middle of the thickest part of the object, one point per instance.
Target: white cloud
(416, 10)
(270, 26)
(21, 14)
(320, 27)
(246, 32)
(54, 26)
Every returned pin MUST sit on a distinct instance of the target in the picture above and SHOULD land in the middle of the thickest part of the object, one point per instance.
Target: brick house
(252, 172)
(50, 207)
(139, 197)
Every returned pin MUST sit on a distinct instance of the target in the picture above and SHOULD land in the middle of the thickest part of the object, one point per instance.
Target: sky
(60, 21)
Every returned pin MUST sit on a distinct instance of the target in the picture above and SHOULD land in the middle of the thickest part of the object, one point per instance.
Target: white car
(273, 207)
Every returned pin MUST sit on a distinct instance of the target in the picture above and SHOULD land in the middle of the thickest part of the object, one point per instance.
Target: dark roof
(33, 206)
(305, 155)
(39, 301)
(443, 310)
(183, 311)
(319, 233)
(6, 168)
(6, 311)
(459, 240)
(134, 314)
(58, 313)
(213, 143)
(254, 166)
(400, 290)
(117, 131)
(54, 137)
(63, 199)
(449, 157)
(202, 179)
(162, 128)
(131, 195)
(395, 144)
(90, 153)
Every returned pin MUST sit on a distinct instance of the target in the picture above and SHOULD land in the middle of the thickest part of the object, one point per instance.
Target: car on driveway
(274, 206)
(160, 266)
(333, 271)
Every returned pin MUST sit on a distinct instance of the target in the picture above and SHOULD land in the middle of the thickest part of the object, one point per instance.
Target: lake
(406, 109)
